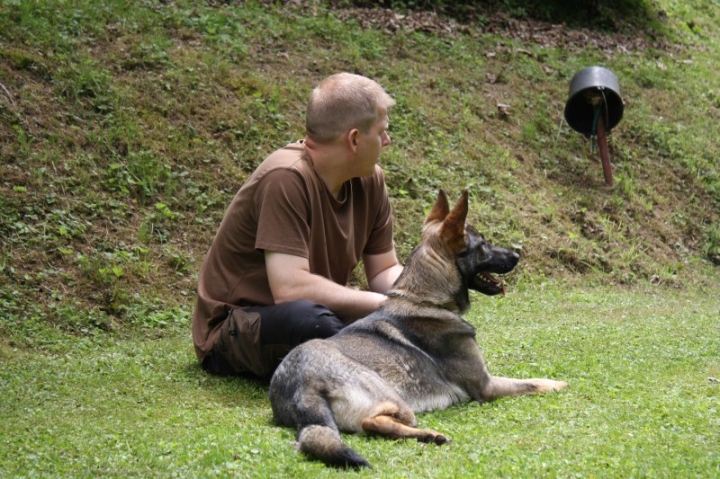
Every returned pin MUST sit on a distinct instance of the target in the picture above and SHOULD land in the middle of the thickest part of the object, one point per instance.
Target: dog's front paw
(545, 385)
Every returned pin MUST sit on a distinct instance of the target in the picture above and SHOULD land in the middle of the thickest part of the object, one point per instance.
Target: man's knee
(320, 322)
(298, 321)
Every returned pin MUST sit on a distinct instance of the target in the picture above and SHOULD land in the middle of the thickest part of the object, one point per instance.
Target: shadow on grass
(230, 390)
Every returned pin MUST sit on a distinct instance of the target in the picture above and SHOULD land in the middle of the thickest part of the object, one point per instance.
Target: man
(276, 272)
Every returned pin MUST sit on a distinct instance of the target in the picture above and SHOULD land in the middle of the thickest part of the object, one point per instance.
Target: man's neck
(328, 161)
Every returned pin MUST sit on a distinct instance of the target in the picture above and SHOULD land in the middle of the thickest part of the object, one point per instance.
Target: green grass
(640, 402)
(127, 126)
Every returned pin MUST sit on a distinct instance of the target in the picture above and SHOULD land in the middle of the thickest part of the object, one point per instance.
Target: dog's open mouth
(492, 282)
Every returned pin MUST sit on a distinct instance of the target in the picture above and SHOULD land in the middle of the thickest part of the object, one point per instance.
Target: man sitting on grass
(276, 273)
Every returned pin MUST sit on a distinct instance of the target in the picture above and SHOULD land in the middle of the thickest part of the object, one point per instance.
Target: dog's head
(477, 260)
(481, 261)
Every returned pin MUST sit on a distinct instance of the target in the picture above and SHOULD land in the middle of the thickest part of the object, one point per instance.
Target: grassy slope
(126, 127)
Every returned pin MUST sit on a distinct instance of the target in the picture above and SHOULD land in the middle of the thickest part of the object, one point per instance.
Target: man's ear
(352, 139)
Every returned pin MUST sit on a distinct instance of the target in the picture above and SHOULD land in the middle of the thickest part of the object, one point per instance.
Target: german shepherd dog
(414, 354)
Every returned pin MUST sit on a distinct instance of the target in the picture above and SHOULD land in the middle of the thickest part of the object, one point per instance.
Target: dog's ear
(453, 228)
(440, 210)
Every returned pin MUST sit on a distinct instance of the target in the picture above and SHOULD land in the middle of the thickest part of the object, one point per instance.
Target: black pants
(282, 327)
(295, 322)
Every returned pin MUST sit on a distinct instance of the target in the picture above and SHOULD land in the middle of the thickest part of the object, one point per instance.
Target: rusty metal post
(604, 152)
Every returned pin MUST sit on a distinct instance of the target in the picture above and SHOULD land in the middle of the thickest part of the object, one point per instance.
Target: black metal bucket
(591, 88)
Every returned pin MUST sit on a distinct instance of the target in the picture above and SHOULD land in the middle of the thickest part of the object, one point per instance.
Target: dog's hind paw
(433, 437)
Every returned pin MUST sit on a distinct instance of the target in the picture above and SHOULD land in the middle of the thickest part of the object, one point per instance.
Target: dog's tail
(323, 442)
(299, 398)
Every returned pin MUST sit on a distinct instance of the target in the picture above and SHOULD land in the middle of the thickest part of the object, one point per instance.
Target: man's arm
(382, 270)
(290, 279)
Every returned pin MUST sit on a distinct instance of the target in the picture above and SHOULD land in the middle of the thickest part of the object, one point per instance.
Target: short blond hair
(342, 102)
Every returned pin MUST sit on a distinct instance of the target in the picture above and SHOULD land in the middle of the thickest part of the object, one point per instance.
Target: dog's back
(369, 369)
(382, 350)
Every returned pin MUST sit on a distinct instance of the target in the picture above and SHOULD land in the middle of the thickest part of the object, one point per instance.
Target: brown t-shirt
(285, 207)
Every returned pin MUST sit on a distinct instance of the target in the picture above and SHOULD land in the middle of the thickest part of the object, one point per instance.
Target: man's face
(370, 144)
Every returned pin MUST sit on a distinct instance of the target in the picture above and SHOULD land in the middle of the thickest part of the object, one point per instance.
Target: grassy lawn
(127, 126)
(641, 402)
